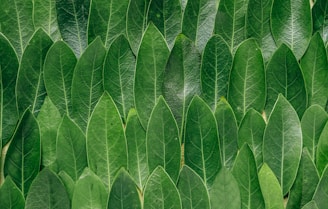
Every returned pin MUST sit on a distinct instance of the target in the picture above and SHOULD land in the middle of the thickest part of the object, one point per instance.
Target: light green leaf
(30, 90)
(163, 143)
(320, 18)
(321, 194)
(119, 69)
(215, 70)
(282, 143)
(322, 150)
(72, 17)
(22, 161)
(192, 190)
(124, 193)
(310, 205)
(10, 195)
(245, 172)
(247, 87)
(68, 182)
(224, 184)
(284, 76)
(291, 24)
(161, 192)
(151, 61)
(106, 142)
(87, 83)
(198, 21)
(58, 74)
(47, 192)
(270, 188)
(107, 19)
(201, 148)
(228, 133)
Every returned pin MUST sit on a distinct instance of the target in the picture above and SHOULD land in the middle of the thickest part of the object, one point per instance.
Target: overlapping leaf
(10, 195)
(322, 150)
(68, 182)
(321, 193)
(320, 18)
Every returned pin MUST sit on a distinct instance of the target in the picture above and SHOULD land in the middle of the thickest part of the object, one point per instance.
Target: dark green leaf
(10, 196)
(322, 150)
(321, 194)
(68, 182)
(310, 205)
(320, 18)
(282, 143)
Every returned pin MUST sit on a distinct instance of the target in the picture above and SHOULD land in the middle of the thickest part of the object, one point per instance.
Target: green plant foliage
(11, 196)
(321, 192)
(320, 18)
(68, 182)
(322, 147)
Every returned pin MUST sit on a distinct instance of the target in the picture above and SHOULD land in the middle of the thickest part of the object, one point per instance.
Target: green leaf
(151, 61)
(136, 144)
(322, 148)
(58, 74)
(87, 83)
(228, 133)
(71, 148)
(17, 23)
(10, 195)
(124, 193)
(247, 87)
(284, 76)
(321, 194)
(251, 132)
(47, 191)
(270, 188)
(245, 172)
(107, 19)
(161, 192)
(163, 143)
(312, 123)
(230, 22)
(314, 68)
(310, 205)
(201, 148)
(119, 69)
(30, 90)
(320, 18)
(181, 78)
(192, 189)
(282, 143)
(8, 75)
(89, 192)
(22, 161)
(72, 17)
(291, 24)
(198, 21)
(224, 184)
(215, 70)
(68, 182)
(106, 142)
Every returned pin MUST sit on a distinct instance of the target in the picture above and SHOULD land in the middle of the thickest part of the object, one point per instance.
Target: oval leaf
(10, 195)
(321, 194)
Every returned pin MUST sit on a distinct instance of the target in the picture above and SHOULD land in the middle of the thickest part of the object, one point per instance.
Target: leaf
(107, 19)
(291, 24)
(320, 18)
(251, 132)
(181, 78)
(106, 142)
(72, 17)
(167, 16)
(192, 189)
(247, 87)
(228, 133)
(30, 90)
(321, 151)
(224, 184)
(201, 148)
(10, 195)
(163, 143)
(312, 123)
(124, 193)
(321, 194)
(58, 74)
(47, 191)
(271, 189)
(136, 145)
(71, 148)
(17, 23)
(68, 182)
(89, 192)
(87, 83)
(215, 70)
(198, 21)
(310, 205)
(230, 22)
(245, 172)
(8, 75)
(151, 61)
(161, 192)
(119, 69)
(284, 76)
(314, 68)
(282, 143)
(22, 161)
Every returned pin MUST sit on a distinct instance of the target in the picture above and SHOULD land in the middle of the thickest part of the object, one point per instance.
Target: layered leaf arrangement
(167, 104)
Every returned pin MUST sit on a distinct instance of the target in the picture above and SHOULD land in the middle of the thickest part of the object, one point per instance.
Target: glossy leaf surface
(10, 195)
